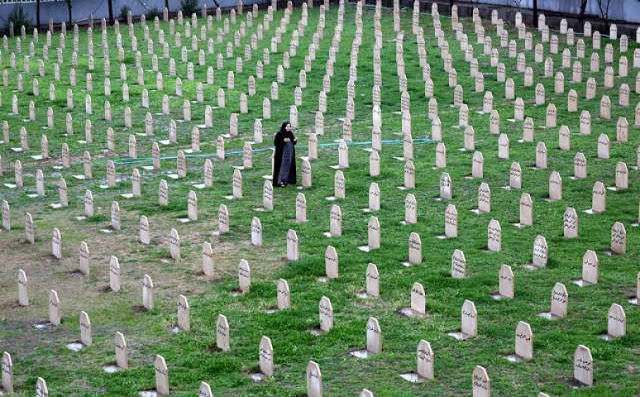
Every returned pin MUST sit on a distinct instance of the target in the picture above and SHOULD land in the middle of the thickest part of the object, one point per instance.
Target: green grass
(189, 355)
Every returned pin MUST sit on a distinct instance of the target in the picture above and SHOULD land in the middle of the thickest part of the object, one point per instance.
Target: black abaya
(280, 144)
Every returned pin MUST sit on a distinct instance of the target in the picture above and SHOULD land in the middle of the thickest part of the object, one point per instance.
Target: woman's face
(287, 127)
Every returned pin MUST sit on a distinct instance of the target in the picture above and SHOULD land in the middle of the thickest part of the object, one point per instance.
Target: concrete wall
(621, 10)
(82, 9)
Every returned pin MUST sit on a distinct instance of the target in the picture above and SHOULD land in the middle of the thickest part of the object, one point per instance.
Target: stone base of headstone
(547, 315)
(409, 312)
(412, 377)
(610, 253)
(238, 167)
(43, 325)
(56, 206)
(513, 358)
(317, 332)
(111, 368)
(399, 158)
(322, 280)
(365, 248)
(184, 220)
(549, 200)
(237, 292)
(127, 195)
(362, 295)
(496, 296)
(508, 188)
(16, 149)
(442, 237)
(32, 195)
(606, 337)
(531, 266)
(404, 187)
(106, 230)
(364, 353)
(458, 335)
(143, 134)
(260, 209)
(336, 167)
(81, 218)
(57, 167)
(10, 185)
(37, 157)
(368, 149)
(477, 211)
(82, 142)
(257, 377)
(75, 346)
(174, 329)
(79, 177)
(582, 283)
(407, 264)
(614, 189)
(199, 186)
(165, 142)
(173, 176)
(331, 198)
(635, 301)
(511, 120)
(148, 393)
(229, 197)
(519, 225)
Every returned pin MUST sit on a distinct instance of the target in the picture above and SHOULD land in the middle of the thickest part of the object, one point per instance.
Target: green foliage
(189, 7)
(154, 12)
(124, 11)
(19, 18)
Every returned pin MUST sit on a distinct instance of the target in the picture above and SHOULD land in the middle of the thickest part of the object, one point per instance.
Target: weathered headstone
(524, 341)
(555, 186)
(85, 329)
(114, 274)
(266, 356)
(54, 308)
(147, 292)
(222, 333)
(618, 238)
(161, 375)
(559, 300)
(7, 373)
(583, 365)
(570, 223)
(481, 384)
(293, 252)
(458, 264)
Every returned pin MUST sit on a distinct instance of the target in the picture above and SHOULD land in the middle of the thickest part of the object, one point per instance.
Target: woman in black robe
(284, 160)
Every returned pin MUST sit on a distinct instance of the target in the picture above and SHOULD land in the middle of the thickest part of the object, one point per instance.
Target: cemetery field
(152, 189)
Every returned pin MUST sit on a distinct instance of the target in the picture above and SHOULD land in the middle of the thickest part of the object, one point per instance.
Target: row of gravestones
(582, 361)
(110, 143)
